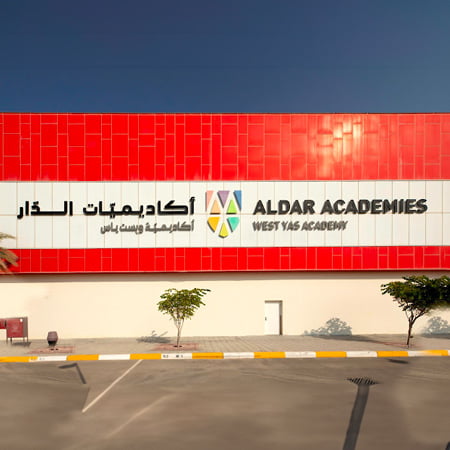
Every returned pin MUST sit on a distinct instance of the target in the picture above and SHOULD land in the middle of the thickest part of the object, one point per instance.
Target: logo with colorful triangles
(223, 208)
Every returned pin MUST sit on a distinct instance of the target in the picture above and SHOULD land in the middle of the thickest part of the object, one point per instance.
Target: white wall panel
(400, 230)
(78, 232)
(61, 194)
(434, 230)
(44, 232)
(446, 196)
(417, 229)
(446, 227)
(61, 233)
(9, 204)
(366, 228)
(434, 193)
(316, 191)
(78, 194)
(383, 189)
(383, 229)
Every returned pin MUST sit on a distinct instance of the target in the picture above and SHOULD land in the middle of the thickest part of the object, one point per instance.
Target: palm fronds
(7, 257)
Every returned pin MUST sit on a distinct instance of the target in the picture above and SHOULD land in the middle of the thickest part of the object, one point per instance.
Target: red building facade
(228, 148)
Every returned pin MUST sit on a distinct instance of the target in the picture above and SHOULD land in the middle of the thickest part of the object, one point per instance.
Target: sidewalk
(296, 346)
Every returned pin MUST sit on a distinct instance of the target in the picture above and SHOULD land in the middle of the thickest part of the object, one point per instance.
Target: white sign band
(225, 214)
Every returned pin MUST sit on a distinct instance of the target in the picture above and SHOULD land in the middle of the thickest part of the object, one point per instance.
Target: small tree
(7, 257)
(181, 305)
(418, 295)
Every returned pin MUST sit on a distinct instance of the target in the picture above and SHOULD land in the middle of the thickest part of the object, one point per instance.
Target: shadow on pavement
(20, 344)
(359, 338)
(443, 336)
(154, 338)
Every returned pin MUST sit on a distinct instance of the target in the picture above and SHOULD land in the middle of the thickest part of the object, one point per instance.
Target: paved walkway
(164, 345)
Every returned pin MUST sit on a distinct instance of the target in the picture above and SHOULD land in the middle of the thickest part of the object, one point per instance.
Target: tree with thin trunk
(7, 257)
(418, 295)
(181, 305)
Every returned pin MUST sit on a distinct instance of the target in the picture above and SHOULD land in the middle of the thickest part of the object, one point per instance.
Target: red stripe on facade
(232, 259)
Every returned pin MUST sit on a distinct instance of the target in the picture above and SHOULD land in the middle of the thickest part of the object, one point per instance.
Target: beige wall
(83, 306)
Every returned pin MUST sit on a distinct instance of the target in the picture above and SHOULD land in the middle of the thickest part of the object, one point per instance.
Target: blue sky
(217, 56)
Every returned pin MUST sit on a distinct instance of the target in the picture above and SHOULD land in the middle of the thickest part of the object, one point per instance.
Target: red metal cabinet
(16, 327)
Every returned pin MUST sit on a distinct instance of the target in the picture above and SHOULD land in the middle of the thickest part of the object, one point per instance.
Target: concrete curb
(227, 355)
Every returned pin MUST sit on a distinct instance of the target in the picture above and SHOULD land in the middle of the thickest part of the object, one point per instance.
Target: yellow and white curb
(227, 355)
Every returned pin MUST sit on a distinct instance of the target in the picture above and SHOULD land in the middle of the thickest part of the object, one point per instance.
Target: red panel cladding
(119, 145)
(193, 145)
(93, 169)
(324, 258)
(11, 144)
(11, 122)
(63, 260)
(77, 173)
(311, 258)
(93, 145)
(230, 172)
(229, 259)
(272, 258)
(11, 168)
(242, 259)
(370, 258)
(193, 123)
(120, 169)
(76, 135)
(445, 255)
(229, 135)
(298, 258)
(49, 172)
(256, 135)
(76, 155)
(255, 172)
(337, 262)
(193, 168)
(193, 258)
(432, 257)
(49, 262)
(49, 155)
(49, 136)
(169, 260)
(432, 171)
(119, 123)
(25, 151)
(93, 123)
(120, 259)
(272, 168)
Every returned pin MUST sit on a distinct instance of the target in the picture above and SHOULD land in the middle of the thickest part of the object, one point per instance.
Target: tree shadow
(333, 327)
(437, 326)
(154, 338)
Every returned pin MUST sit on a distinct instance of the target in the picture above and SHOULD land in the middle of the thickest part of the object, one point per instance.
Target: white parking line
(96, 399)
(156, 403)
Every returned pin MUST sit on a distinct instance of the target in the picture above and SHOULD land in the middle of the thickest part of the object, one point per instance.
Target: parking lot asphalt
(388, 403)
